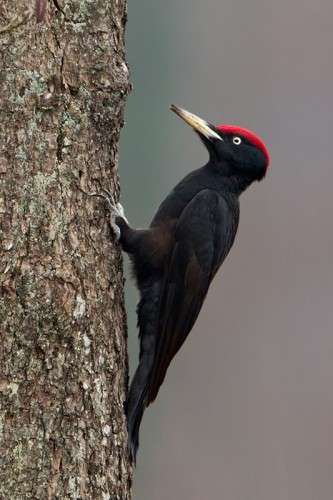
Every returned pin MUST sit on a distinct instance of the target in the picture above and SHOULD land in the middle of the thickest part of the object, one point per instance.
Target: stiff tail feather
(135, 407)
(148, 309)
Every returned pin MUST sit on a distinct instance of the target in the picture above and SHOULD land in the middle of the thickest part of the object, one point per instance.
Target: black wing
(203, 237)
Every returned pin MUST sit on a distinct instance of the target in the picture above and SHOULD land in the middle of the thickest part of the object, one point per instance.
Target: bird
(176, 258)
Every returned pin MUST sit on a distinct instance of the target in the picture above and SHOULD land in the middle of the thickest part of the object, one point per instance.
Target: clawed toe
(115, 208)
(121, 211)
(108, 197)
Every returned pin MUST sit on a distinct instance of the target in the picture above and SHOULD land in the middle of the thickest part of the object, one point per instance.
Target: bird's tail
(138, 394)
(135, 406)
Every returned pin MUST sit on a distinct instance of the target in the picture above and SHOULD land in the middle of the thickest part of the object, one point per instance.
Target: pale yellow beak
(198, 124)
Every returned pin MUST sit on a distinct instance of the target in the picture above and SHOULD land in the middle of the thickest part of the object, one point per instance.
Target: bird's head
(235, 149)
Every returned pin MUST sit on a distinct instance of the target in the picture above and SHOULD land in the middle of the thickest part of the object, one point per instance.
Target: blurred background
(246, 411)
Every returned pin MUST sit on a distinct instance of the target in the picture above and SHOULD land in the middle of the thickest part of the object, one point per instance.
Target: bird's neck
(238, 183)
(234, 183)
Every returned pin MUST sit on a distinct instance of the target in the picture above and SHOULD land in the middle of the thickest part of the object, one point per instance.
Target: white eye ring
(237, 141)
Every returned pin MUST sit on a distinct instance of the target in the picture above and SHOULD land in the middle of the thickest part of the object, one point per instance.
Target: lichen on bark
(63, 359)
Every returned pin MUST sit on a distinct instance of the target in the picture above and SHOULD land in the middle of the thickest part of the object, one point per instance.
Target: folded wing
(203, 237)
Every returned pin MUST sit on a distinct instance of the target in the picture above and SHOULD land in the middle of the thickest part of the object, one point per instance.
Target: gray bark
(63, 358)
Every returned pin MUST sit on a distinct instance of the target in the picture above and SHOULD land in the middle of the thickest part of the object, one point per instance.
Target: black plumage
(176, 258)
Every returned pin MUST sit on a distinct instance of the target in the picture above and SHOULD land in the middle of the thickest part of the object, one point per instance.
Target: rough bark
(63, 359)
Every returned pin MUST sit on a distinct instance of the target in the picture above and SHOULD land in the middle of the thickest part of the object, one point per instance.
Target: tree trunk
(63, 358)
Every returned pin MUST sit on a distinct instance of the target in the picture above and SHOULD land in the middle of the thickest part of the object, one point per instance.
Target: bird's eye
(237, 140)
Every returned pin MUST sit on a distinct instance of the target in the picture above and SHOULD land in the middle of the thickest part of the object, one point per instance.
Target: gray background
(246, 411)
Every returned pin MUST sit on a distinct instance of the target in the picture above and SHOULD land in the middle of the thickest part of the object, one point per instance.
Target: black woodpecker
(176, 258)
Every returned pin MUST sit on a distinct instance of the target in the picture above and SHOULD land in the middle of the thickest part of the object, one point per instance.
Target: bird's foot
(116, 210)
